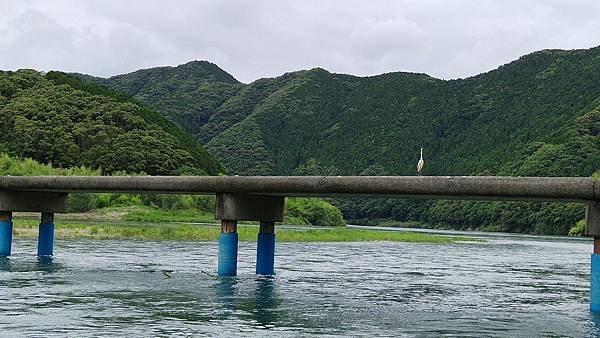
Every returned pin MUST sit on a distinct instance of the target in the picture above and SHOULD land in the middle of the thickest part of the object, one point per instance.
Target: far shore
(140, 222)
(195, 232)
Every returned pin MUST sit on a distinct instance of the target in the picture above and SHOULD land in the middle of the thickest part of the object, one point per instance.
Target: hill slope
(536, 116)
(59, 119)
(187, 94)
(496, 123)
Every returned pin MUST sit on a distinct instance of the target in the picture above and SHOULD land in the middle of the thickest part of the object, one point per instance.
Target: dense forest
(536, 116)
(56, 118)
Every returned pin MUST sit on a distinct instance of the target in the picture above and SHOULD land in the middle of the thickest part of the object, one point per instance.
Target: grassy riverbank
(190, 232)
(146, 214)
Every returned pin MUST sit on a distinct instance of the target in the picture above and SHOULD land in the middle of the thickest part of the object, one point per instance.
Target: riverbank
(143, 222)
(148, 214)
(194, 232)
(577, 230)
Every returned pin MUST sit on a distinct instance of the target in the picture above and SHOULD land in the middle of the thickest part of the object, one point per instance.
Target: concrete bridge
(261, 198)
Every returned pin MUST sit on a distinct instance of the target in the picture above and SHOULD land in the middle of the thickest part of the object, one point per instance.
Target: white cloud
(253, 39)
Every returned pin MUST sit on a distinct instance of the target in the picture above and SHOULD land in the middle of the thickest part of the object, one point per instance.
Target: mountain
(186, 94)
(56, 118)
(506, 122)
(536, 116)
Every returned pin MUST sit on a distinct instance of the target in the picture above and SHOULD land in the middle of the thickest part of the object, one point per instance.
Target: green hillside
(188, 94)
(536, 116)
(56, 118)
(504, 122)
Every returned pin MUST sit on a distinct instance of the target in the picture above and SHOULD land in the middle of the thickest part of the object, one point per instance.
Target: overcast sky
(253, 39)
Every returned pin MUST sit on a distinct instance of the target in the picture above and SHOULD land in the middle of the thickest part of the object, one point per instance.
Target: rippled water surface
(501, 287)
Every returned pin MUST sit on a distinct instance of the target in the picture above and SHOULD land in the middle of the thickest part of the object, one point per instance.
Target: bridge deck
(462, 187)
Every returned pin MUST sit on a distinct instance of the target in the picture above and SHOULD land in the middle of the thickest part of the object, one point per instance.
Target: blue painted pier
(261, 198)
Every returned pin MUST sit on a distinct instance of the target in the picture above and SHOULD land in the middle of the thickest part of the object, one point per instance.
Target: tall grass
(162, 215)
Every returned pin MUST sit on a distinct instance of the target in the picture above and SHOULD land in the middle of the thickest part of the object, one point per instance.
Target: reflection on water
(46, 263)
(595, 329)
(259, 306)
(4, 264)
(225, 291)
(265, 302)
(506, 287)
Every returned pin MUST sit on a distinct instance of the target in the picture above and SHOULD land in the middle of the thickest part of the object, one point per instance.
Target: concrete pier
(45, 202)
(265, 209)
(6, 227)
(265, 249)
(46, 235)
(228, 248)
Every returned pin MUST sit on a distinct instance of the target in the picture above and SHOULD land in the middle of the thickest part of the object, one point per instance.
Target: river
(504, 286)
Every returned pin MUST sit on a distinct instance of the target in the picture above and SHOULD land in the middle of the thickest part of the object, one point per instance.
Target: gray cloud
(253, 39)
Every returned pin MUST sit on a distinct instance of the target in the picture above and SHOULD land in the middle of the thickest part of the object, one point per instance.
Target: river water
(501, 287)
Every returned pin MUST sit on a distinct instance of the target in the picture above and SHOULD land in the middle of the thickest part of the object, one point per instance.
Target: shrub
(81, 202)
(578, 229)
(315, 211)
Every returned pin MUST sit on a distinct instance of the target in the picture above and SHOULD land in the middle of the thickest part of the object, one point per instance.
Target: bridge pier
(46, 235)
(228, 248)
(265, 209)
(265, 249)
(6, 227)
(31, 201)
(592, 228)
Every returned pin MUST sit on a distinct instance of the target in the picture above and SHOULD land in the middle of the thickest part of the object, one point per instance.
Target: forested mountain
(187, 94)
(56, 118)
(536, 116)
